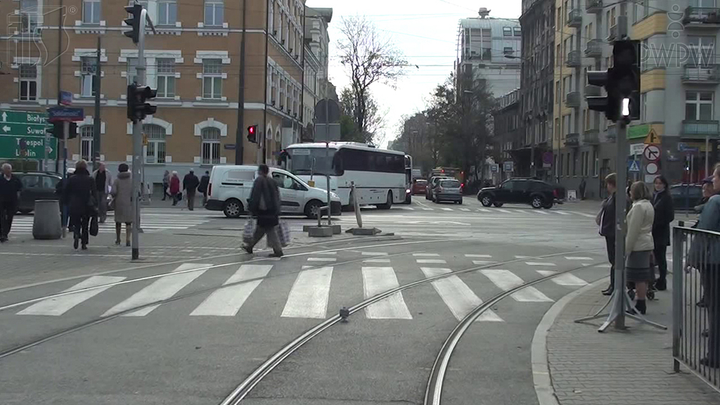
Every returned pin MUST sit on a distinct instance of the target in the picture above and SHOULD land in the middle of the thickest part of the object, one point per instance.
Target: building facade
(193, 60)
(317, 59)
(508, 136)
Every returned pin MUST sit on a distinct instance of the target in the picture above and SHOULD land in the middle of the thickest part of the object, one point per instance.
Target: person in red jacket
(174, 187)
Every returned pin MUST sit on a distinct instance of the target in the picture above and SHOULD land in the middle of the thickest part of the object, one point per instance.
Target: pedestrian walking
(60, 193)
(606, 221)
(639, 243)
(10, 187)
(583, 185)
(203, 187)
(190, 185)
(103, 183)
(81, 196)
(166, 184)
(664, 215)
(122, 198)
(265, 206)
(174, 187)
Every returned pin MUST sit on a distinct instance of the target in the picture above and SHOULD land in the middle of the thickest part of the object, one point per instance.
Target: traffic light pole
(137, 163)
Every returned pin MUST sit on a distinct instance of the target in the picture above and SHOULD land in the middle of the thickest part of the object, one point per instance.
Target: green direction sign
(638, 131)
(27, 147)
(23, 129)
(22, 117)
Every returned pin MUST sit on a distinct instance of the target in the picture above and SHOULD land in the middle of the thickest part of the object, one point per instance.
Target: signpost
(547, 159)
(652, 138)
(633, 166)
(652, 153)
(23, 136)
(508, 166)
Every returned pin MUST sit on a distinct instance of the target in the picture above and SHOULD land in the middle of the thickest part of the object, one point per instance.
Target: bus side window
(337, 164)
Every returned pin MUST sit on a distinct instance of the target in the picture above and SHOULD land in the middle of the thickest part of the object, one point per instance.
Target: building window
(28, 82)
(701, 50)
(91, 12)
(517, 31)
(698, 106)
(214, 13)
(167, 12)
(508, 51)
(87, 76)
(166, 78)
(131, 70)
(29, 15)
(212, 78)
(156, 143)
(86, 142)
(210, 146)
(507, 31)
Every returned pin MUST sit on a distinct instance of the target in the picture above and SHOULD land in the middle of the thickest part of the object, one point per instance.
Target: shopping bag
(94, 227)
(283, 231)
(249, 231)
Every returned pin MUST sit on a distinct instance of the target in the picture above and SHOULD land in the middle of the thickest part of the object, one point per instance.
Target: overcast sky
(425, 31)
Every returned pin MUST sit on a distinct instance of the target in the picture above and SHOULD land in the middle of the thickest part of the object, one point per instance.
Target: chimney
(483, 12)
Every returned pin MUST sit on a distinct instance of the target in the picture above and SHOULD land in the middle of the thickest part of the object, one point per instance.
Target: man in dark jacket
(606, 221)
(10, 187)
(81, 197)
(203, 187)
(664, 215)
(190, 185)
(264, 204)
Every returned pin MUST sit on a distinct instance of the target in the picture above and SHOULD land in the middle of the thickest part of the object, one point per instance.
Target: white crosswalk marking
(541, 212)
(150, 223)
(480, 256)
(59, 305)
(374, 253)
(561, 213)
(523, 257)
(459, 298)
(431, 261)
(377, 280)
(407, 208)
(427, 209)
(504, 211)
(484, 210)
(578, 258)
(506, 280)
(482, 262)
(604, 266)
(162, 289)
(464, 209)
(376, 261)
(310, 294)
(446, 209)
(325, 253)
(584, 214)
(567, 280)
(227, 300)
(321, 259)
(540, 264)
(426, 254)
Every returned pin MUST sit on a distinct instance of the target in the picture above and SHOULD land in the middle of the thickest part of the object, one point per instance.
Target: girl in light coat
(639, 243)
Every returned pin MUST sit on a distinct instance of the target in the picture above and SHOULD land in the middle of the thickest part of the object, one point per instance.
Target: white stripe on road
(483, 210)
(326, 253)
(584, 214)
(227, 301)
(464, 209)
(59, 305)
(540, 264)
(427, 209)
(482, 262)
(567, 280)
(459, 298)
(407, 208)
(446, 209)
(480, 256)
(162, 289)
(426, 254)
(604, 266)
(376, 261)
(310, 294)
(377, 280)
(374, 253)
(504, 211)
(321, 259)
(578, 258)
(506, 280)
(523, 257)
(541, 212)
(431, 261)
(561, 213)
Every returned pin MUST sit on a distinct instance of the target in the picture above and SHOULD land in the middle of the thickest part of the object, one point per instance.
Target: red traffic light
(252, 130)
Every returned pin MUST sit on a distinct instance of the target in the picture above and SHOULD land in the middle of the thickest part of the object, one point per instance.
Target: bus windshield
(304, 161)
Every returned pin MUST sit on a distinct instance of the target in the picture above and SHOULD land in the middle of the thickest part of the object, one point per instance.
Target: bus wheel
(389, 203)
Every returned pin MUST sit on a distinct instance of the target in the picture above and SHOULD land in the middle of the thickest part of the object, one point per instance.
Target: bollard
(46, 223)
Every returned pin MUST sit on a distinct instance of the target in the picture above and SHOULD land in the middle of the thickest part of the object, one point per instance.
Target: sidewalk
(634, 367)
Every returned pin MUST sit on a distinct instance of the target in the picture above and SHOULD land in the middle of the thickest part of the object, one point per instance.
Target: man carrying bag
(264, 205)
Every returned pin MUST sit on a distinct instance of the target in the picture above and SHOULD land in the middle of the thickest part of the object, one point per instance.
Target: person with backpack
(265, 206)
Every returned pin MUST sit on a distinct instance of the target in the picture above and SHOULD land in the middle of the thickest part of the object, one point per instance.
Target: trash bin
(46, 224)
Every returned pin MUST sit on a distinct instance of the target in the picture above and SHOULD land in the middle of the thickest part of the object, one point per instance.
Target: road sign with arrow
(23, 135)
(652, 153)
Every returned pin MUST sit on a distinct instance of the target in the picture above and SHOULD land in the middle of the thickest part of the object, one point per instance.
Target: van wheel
(233, 208)
(312, 209)
(548, 205)
(486, 200)
(537, 202)
(389, 203)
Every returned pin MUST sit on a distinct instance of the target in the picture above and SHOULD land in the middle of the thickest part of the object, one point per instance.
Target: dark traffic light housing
(137, 107)
(133, 22)
(57, 130)
(252, 133)
(620, 82)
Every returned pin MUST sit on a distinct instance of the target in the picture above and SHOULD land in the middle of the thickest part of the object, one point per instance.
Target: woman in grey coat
(122, 196)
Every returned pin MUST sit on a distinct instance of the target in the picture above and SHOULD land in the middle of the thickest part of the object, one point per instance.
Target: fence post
(677, 301)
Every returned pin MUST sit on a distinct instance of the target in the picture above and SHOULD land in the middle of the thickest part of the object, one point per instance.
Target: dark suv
(537, 193)
(36, 186)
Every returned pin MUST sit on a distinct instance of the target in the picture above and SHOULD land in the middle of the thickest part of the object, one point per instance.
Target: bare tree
(374, 117)
(370, 58)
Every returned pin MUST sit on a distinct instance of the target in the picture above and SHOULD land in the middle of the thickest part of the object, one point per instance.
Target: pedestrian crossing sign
(634, 166)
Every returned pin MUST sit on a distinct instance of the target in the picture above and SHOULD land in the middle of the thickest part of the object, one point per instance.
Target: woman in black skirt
(639, 243)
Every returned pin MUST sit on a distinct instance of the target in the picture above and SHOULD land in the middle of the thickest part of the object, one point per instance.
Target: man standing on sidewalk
(606, 221)
(190, 185)
(203, 188)
(103, 180)
(10, 187)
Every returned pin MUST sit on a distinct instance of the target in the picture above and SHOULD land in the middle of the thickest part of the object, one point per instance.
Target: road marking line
(584, 214)
(431, 261)
(604, 266)
(426, 254)
(504, 211)
(227, 301)
(458, 297)
(376, 261)
(59, 305)
(540, 264)
(427, 209)
(483, 210)
(506, 280)
(309, 294)
(406, 208)
(377, 280)
(480, 256)
(567, 280)
(465, 209)
(162, 289)
(326, 253)
(446, 209)
(541, 212)
(374, 253)
(561, 213)
(578, 258)
(321, 259)
(482, 262)
(523, 257)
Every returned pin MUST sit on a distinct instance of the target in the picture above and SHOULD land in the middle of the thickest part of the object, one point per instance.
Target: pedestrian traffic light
(621, 83)
(252, 133)
(606, 104)
(137, 107)
(57, 130)
(133, 22)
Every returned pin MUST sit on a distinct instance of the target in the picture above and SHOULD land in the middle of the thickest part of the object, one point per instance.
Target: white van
(230, 188)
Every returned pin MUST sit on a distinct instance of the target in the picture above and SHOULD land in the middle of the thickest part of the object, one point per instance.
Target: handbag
(94, 226)
(249, 231)
(111, 204)
(283, 231)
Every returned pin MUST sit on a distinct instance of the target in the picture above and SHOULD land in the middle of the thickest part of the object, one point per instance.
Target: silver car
(448, 190)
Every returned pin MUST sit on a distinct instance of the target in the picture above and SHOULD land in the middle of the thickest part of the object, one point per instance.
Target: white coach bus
(379, 174)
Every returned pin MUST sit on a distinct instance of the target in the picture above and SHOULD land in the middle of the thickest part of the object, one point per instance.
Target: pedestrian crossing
(499, 211)
(149, 222)
(311, 291)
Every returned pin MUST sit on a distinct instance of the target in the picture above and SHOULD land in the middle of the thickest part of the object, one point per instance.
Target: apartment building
(193, 60)
(508, 136)
(317, 84)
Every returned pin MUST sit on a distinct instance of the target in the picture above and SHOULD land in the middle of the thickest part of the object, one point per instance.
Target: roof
(492, 23)
(326, 13)
(350, 145)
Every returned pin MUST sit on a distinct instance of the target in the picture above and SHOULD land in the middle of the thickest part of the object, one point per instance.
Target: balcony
(592, 91)
(701, 74)
(594, 48)
(691, 128)
(591, 137)
(572, 140)
(613, 35)
(572, 99)
(575, 18)
(594, 6)
(573, 59)
(701, 17)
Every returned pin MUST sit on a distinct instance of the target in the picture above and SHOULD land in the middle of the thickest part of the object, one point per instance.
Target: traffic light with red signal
(252, 133)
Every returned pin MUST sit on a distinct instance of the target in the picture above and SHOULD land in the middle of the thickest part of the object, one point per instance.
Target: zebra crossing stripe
(482, 262)
(567, 280)
(458, 297)
(374, 253)
(426, 254)
(162, 289)
(321, 259)
(309, 294)
(227, 301)
(59, 305)
(561, 213)
(507, 280)
(377, 280)
(484, 210)
(431, 261)
(446, 209)
(376, 261)
(583, 214)
(464, 209)
(542, 212)
(480, 256)
(504, 211)
(540, 264)
(578, 258)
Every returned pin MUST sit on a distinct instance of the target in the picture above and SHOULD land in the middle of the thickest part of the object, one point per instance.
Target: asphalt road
(188, 327)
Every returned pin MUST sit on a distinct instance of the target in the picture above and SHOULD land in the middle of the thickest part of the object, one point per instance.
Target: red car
(419, 186)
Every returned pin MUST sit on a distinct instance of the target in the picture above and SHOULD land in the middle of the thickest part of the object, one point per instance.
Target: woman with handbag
(81, 196)
(122, 202)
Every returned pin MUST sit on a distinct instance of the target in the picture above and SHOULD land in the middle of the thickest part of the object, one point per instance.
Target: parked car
(230, 187)
(685, 196)
(537, 193)
(448, 190)
(431, 184)
(419, 186)
(36, 186)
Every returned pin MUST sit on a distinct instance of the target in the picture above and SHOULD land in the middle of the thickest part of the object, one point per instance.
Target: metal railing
(696, 302)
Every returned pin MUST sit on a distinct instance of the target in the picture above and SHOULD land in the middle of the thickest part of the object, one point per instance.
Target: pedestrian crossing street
(150, 223)
(494, 210)
(313, 287)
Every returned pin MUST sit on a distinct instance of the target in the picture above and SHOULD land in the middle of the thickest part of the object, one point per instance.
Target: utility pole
(59, 82)
(96, 123)
(239, 149)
